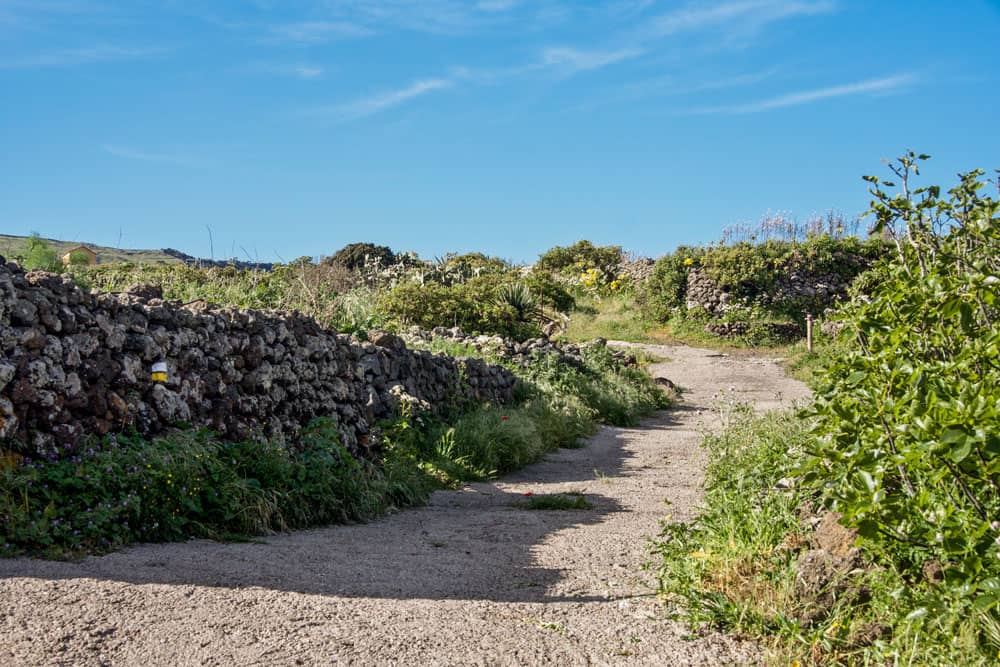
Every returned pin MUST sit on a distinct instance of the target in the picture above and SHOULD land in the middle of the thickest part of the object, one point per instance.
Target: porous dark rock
(74, 363)
(821, 289)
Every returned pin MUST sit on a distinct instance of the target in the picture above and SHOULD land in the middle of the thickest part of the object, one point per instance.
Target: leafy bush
(581, 257)
(736, 567)
(472, 264)
(475, 306)
(664, 292)
(602, 390)
(908, 434)
(40, 255)
(354, 256)
(550, 291)
(750, 272)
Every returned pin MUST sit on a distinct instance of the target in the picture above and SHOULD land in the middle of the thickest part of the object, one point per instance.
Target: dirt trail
(467, 580)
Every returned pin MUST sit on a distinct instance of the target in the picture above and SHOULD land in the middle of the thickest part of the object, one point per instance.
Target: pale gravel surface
(467, 580)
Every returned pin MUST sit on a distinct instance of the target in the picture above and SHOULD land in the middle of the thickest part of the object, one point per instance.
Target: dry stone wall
(74, 363)
(824, 289)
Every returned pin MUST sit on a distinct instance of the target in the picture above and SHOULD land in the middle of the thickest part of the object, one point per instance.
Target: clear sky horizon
(293, 127)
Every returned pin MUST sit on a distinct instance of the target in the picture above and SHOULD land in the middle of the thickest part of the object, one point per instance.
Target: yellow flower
(688, 261)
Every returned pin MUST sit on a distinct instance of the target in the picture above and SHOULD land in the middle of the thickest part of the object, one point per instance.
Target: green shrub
(354, 256)
(580, 258)
(38, 254)
(735, 568)
(663, 294)
(751, 271)
(475, 306)
(908, 434)
(550, 291)
(603, 389)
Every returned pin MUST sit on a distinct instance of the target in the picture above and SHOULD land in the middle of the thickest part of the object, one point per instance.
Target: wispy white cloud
(430, 16)
(308, 32)
(671, 85)
(885, 85)
(367, 106)
(497, 5)
(74, 57)
(303, 71)
(576, 60)
(559, 59)
(744, 14)
(180, 160)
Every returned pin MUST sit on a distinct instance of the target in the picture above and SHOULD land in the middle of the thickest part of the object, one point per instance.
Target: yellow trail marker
(160, 371)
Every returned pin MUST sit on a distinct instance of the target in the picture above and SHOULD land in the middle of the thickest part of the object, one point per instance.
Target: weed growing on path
(572, 500)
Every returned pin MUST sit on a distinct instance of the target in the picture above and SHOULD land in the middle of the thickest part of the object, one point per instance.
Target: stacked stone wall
(75, 363)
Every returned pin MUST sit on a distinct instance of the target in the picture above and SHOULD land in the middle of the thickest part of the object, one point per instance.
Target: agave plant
(519, 297)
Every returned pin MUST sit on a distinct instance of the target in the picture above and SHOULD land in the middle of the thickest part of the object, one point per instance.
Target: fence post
(809, 332)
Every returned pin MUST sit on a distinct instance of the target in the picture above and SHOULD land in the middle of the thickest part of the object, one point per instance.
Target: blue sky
(292, 127)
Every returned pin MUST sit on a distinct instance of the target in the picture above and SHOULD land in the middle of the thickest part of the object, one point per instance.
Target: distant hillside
(12, 246)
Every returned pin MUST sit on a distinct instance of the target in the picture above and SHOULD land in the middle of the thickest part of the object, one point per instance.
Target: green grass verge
(615, 317)
(735, 568)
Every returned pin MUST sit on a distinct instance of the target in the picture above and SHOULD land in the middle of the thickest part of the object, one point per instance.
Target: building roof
(79, 248)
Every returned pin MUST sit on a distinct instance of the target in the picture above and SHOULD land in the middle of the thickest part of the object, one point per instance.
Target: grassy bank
(737, 568)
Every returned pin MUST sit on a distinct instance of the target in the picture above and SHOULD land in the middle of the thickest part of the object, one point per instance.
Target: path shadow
(469, 544)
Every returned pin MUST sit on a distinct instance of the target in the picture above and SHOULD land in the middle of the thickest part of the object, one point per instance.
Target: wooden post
(809, 332)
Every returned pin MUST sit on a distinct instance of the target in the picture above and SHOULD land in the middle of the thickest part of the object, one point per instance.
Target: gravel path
(467, 580)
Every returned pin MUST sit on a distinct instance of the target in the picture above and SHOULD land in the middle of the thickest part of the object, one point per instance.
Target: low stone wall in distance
(74, 363)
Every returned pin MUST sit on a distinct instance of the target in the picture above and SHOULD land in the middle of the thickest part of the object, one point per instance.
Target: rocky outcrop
(74, 363)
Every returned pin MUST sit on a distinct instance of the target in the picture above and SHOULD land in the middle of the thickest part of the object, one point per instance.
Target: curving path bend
(467, 580)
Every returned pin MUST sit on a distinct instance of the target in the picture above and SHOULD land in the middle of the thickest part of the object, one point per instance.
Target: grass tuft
(572, 500)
